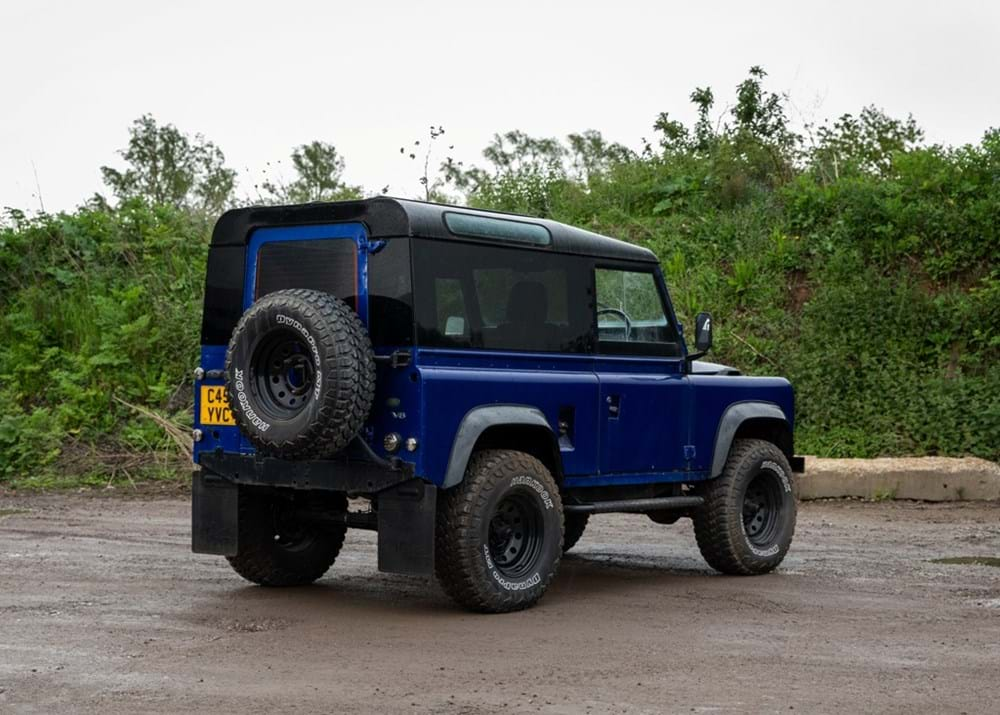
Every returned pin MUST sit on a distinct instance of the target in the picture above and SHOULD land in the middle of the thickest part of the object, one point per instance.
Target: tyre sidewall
(530, 586)
(756, 556)
(262, 321)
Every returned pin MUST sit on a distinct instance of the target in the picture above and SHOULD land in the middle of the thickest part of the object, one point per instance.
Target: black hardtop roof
(387, 217)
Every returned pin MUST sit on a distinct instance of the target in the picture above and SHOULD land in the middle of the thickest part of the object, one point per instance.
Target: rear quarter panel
(446, 385)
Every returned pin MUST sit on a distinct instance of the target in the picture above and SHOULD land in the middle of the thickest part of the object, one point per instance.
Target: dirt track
(103, 608)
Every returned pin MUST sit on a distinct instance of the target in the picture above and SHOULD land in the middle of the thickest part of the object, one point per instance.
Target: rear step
(635, 505)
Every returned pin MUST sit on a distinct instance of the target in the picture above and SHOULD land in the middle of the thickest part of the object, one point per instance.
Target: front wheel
(748, 519)
(499, 533)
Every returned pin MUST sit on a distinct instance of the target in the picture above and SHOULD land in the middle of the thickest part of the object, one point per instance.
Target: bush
(95, 305)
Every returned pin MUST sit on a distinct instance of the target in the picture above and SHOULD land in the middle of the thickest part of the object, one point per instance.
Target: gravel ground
(104, 609)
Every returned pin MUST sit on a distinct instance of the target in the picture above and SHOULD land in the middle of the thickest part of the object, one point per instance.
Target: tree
(591, 154)
(865, 143)
(319, 170)
(166, 166)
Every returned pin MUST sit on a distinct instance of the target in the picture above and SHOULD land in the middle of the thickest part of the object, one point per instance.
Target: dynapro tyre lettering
(537, 486)
(780, 471)
(532, 580)
(244, 403)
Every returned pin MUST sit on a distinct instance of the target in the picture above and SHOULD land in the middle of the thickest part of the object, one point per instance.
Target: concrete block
(919, 478)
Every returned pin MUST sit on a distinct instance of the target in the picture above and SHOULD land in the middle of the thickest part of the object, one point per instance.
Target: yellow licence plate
(215, 406)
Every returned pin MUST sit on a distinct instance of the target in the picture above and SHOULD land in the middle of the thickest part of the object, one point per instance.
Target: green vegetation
(884, 494)
(852, 258)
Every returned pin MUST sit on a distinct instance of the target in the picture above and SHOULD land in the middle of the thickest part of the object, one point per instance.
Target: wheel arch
(520, 427)
(760, 420)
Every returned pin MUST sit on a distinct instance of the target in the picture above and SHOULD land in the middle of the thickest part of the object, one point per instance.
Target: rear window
(328, 265)
(476, 296)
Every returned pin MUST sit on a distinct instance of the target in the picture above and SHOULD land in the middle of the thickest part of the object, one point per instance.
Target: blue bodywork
(635, 420)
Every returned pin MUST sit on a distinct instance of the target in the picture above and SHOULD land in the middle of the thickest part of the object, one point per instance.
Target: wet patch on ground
(969, 561)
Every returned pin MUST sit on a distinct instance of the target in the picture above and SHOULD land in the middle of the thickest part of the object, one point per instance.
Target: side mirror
(703, 333)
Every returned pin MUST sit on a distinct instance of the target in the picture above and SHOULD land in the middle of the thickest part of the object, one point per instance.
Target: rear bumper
(351, 476)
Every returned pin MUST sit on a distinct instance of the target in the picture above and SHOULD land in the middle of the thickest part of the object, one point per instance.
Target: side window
(630, 315)
(390, 296)
(482, 296)
(523, 308)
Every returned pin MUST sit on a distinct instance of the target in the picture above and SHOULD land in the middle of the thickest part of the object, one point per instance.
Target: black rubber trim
(729, 423)
(355, 477)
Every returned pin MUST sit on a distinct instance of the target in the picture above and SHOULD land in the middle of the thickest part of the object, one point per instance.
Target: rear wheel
(278, 548)
(499, 533)
(747, 522)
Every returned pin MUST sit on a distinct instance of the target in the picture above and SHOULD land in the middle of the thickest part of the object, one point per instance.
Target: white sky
(258, 78)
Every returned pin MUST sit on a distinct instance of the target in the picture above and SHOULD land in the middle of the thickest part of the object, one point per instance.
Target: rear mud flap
(214, 515)
(406, 516)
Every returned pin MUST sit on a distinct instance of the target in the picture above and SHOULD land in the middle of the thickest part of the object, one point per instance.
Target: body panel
(644, 415)
(453, 382)
(713, 394)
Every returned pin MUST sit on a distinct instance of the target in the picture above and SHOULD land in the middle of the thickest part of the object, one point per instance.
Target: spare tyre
(300, 374)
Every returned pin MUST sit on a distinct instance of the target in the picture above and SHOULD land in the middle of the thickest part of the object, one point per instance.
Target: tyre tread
(459, 519)
(718, 524)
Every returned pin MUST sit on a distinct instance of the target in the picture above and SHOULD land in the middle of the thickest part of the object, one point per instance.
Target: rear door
(644, 391)
(331, 259)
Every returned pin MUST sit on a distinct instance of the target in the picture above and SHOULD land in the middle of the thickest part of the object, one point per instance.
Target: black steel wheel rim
(762, 505)
(284, 373)
(516, 534)
(289, 532)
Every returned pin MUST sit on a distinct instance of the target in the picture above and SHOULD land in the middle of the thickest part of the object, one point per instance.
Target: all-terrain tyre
(275, 548)
(748, 519)
(499, 533)
(574, 524)
(300, 374)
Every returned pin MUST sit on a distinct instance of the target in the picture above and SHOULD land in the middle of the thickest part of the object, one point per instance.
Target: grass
(884, 495)
(48, 481)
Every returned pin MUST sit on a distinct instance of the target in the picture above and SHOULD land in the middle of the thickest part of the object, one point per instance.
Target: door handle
(614, 406)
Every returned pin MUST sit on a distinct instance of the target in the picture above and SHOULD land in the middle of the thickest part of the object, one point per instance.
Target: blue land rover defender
(478, 384)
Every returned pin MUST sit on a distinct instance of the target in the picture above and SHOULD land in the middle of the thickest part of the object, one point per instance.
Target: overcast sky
(258, 78)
